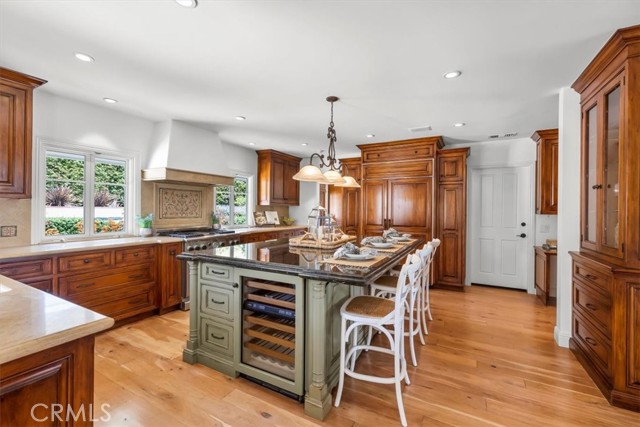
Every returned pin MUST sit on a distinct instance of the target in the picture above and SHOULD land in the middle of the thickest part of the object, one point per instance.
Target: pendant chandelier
(333, 176)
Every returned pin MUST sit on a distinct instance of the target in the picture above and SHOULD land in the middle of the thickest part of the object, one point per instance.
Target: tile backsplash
(16, 212)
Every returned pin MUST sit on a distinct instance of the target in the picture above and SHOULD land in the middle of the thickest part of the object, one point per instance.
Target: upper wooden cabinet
(344, 203)
(546, 171)
(606, 271)
(16, 104)
(276, 185)
(397, 186)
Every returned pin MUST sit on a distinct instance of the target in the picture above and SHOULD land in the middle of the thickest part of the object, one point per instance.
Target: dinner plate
(359, 257)
(381, 245)
(401, 239)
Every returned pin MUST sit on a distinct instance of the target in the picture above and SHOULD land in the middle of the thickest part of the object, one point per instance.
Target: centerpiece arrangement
(322, 233)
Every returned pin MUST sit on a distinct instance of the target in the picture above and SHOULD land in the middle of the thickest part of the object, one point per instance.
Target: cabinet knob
(86, 260)
(235, 285)
(172, 252)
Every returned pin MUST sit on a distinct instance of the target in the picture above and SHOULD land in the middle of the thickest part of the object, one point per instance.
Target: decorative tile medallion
(176, 203)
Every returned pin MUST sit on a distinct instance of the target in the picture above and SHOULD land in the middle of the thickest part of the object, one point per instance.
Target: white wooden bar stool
(425, 306)
(385, 287)
(379, 313)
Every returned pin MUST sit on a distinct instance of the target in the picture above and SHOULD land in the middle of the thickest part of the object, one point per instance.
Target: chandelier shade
(334, 177)
(350, 182)
(311, 173)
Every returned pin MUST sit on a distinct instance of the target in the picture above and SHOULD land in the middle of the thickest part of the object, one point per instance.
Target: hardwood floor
(490, 360)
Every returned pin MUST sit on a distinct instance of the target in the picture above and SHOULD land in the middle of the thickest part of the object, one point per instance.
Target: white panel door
(500, 205)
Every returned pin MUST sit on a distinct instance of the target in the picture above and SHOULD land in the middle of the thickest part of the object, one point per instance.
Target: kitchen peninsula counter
(228, 326)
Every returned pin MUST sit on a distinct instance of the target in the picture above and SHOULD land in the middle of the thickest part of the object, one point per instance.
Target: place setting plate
(359, 257)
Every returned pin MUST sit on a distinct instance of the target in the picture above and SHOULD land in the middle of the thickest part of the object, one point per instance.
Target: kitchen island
(271, 312)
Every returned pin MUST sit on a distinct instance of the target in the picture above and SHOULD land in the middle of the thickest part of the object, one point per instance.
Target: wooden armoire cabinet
(397, 186)
(16, 105)
(606, 270)
(451, 219)
(276, 185)
(344, 202)
(546, 171)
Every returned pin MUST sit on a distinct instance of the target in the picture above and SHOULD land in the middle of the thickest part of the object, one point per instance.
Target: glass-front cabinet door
(601, 120)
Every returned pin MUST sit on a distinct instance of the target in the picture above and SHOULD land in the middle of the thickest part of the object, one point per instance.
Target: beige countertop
(32, 320)
(45, 249)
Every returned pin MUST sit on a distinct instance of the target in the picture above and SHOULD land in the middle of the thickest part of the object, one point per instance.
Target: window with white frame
(77, 187)
(232, 203)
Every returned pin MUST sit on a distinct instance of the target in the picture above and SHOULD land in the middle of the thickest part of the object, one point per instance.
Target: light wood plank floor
(490, 360)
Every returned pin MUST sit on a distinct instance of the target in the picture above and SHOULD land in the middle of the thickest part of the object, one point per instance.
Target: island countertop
(277, 256)
(32, 320)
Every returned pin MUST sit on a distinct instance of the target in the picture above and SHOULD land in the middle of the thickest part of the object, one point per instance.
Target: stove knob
(189, 248)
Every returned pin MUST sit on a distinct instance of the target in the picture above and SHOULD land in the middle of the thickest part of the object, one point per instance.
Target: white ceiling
(276, 61)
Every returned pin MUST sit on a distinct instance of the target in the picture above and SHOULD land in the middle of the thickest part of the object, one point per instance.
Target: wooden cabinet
(544, 261)
(451, 219)
(546, 171)
(276, 185)
(61, 375)
(344, 203)
(170, 275)
(16, 104)
(397, 186)
(35, 272)
(606, 271)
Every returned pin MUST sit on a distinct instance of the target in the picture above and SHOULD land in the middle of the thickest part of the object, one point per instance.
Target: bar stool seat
(370, 306)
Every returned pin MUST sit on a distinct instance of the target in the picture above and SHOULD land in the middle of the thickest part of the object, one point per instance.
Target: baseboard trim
(562, 338)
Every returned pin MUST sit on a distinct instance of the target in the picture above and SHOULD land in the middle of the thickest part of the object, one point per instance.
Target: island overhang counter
(271, 312)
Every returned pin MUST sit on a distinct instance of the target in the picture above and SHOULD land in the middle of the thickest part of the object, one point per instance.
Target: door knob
(522, 235)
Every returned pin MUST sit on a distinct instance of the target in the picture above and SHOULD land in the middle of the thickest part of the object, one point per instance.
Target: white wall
(568, 207)
(65, 120)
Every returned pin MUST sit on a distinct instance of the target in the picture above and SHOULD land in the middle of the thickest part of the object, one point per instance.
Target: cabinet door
(291, 186)
(375, 207)
(171, 275)
(277, 181)
(15, 150)
(410, 202)
(350, 210)
(451, 254)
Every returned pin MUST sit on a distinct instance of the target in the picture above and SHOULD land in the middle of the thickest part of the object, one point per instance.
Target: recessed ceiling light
(241, 118)
(83, 57)
(452, 74)
(458, 125)
(304, 144)
(188, 3)
(371, 135)
(252, 143)
(110, 100)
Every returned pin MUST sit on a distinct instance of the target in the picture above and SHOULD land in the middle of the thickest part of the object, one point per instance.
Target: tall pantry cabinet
(606, 270)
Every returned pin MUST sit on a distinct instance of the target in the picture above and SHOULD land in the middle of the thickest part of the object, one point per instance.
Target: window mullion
(89, 196)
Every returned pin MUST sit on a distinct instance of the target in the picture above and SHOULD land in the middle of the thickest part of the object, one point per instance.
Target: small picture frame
(260, 219)
(272, 217)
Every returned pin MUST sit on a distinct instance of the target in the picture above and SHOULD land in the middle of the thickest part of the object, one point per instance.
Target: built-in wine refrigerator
(272, 344)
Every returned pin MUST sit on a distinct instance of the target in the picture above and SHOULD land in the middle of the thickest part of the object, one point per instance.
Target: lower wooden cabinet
(606, 328)
(62, 375)
(170, 275)
(543, 276)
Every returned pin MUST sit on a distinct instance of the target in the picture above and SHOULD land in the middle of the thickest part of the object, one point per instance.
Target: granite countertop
(277, 256)
(32, 320)
(45, 249)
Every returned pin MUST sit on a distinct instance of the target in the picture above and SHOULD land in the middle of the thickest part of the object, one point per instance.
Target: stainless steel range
(194, 240)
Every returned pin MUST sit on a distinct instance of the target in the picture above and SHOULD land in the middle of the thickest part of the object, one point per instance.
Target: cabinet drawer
(131, 301)
(45, 285)
(398, 153)
(89, 261)
(217, 301)
(18, 270)
(289, 233)
(216, 337)
(595, 344)
(87, 285)
(136, 255)
(592, 277)
(399, 169)
(451, 169)
(216, 272)
(593, 306)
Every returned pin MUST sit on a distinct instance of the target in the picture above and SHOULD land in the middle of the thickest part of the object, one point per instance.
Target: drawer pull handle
(136, 276)
(591, 341)
(219, 273)
(137, 301)
(85, 285)
(591, 306)
(136, 254)
(215, 337)
(86, 260)
(217, 302)
(590, 277)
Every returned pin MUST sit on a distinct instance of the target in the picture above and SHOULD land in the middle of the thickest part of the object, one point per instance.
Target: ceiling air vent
(494, 136)
(504, 135)
(420, 129)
